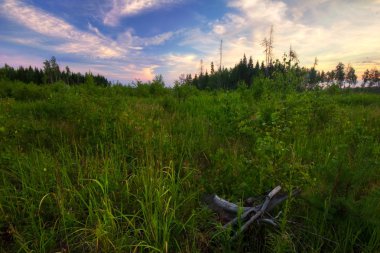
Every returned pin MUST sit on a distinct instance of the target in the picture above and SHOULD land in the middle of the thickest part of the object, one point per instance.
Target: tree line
(246, 72)
(50, 73)
(286, 72)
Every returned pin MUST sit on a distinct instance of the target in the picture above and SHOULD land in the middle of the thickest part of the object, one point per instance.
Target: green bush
(22, 92)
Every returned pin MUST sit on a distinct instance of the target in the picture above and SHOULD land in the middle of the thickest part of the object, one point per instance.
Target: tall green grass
(120, 169)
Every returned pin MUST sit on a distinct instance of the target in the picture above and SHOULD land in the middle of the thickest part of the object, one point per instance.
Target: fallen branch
(260, 213)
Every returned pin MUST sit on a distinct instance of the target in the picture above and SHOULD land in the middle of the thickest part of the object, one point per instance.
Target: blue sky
(137, 39)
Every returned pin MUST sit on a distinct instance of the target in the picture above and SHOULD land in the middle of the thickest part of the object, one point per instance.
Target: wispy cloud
(91, 43)
(71, 39)
(333, 31)
(128, 38)
(123, 55)
(122, 8)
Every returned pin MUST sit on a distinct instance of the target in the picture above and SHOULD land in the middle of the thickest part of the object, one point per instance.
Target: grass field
(120, 169)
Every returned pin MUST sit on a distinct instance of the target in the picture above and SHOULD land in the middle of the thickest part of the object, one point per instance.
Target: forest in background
(285, 72)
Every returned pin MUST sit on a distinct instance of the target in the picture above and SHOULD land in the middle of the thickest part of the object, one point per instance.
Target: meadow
(123, 169)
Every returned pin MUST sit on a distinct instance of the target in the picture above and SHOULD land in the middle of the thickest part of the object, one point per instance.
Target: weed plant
(121, 169)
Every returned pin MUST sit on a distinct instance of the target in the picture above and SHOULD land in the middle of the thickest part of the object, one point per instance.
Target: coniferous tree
(257, 68)
(250, 63)
(245, 63)
(206, 79)
(251, 72)
(262, 67)
(195, 81)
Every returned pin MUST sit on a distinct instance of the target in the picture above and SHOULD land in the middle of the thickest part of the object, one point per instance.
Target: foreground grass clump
(119, 169)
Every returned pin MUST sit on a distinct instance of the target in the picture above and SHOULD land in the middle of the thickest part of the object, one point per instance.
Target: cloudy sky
(136, 39)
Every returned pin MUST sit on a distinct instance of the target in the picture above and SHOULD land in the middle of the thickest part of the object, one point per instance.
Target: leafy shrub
(22, 92)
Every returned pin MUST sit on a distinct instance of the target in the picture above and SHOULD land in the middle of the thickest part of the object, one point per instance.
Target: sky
(130, 40)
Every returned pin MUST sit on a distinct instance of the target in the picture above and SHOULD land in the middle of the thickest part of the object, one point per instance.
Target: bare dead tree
(201, 66)
(268, 48)
(220, 63)
(265, 44)
(220, 55)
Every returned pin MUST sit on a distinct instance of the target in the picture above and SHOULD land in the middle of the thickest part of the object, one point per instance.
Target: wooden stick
(260, 212)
